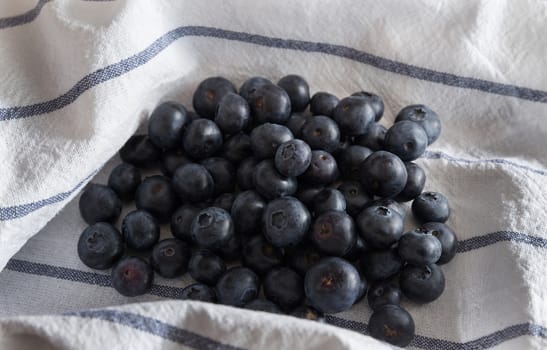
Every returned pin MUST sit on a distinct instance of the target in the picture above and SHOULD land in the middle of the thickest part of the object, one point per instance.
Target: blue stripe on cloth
(155, 327)
(17, 211)
(478, 242)
(128, 64)
(29, 16)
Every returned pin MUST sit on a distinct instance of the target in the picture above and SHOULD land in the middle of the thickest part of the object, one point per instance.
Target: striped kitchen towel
(78, 78)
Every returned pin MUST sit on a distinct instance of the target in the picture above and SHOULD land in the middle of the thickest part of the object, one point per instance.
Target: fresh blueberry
(363, 287)
(392, 324)
(298, 90)
(249, 86)
(447, 237)
(245, 174)
(391, 204)
(296, 122)
(199, 292)
(270, 104)
(155, 195)
(202, 139)
(406, 139)
(323, 103)
(308, 313)
(415, 182)
(173, 159)
(292, 158)
(302, 257)
(286, 221)
(383, 174)
(212, 228)
(373, 138)
(233, 114)
(132, 276)
(238, 286)
(333, 233)
(431, 206)
(284, 287)
(270, 183)
(350, 160)
(206, 267)
(327, 200)
(140, 230)
(124, 180)
(260, 255)
(374, 101)
(267, 137)
(209, 93)
(423, 115)
(354, 115)
(380, 226)
(223, 173)
(181, 222)
(170, 257)
(321, 132)
(383, 293)
(247, 212)
(193, 183)
(100, 246)
(232, 249)
(99, 203)
(359, 248)
(306, 194)
(140, 152)
(332, 285)
(380, 264)
(263, 305)
(166, 125)
(225, 201)
(419, 247)
(422, 284)
(323, 169)
(237, 148)
(355, 195)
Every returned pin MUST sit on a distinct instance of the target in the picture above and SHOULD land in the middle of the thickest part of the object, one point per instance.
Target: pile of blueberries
(262, 194)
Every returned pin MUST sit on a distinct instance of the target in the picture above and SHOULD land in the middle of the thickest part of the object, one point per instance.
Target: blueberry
(212, 228)
(406, 139)
(202, 139)
(380, 226)
(237, 148)
(199, 292)
(233, 114)
(99, 203)
(140, 151)
(193, 183)
(284, 287)
(392, 324)
(247, 213)
(140, 230)
(206, 267)
(232, 249)
(333, 233)
(209, 93)
(350, 160)
(425, 117)
(415, 183)
(263, 305)
(124, 180)
(166, 125)
(363, 287)
(431, 206)
(267, 137)
(422, 284)
(332, 285)
(306, 194)
(383, 174)
(302, 257)
(249, 86)
(132, 276)
(419, 247)
(355, 195)
(327, 200)
(225, 201)
(374, 101)
(321, 132)
(308, 313)
(292, 158)
(181, 222)
(192, 115)
(223, 173)
(354, 115)
(323, 169)
(323, 103)
(359, 248)
(383, 293)
(155, 195)
(373, 138)
(238, 286)
(270, 183)
(173, 159)
(296, 122)
(170, 257)
(380, 264)
(260, 255)
(298, 90)
(391, 204)
(245, 174)
(286, 221)
(270, 104)
(447, 237)
(100, 246)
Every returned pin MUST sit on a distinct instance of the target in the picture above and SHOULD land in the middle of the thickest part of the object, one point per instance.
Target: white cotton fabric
(490, 160)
